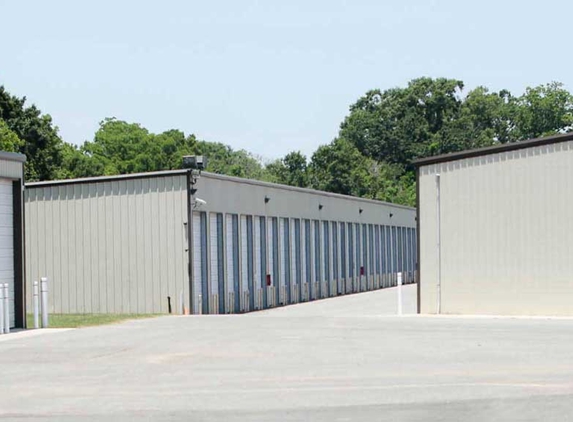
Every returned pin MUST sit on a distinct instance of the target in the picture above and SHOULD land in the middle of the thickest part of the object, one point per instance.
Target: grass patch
(85, 320)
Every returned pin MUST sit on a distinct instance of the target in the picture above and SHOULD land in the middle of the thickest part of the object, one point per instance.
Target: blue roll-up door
(232, 252)
(316, 294)
(296, 248)
(273, 245)
(250, 263)
(335, 255)
(326, 251)
(284, 228)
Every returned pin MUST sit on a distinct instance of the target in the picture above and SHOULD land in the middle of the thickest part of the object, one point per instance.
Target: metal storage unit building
(11, 234)
(495, 230)
(123, 244)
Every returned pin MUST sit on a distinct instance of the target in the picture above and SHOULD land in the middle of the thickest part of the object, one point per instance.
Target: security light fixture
(320, 207)
(360, 210)
(195, 162)
(267, 199)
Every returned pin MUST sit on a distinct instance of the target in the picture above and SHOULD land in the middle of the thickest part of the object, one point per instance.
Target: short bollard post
(399, 293)
(44, 300)
(6, 309)
(36, 304)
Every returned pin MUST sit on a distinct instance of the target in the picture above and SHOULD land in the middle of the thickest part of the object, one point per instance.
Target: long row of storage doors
(243, 263)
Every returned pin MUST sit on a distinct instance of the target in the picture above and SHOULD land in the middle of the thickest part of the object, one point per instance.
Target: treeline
(371, 156)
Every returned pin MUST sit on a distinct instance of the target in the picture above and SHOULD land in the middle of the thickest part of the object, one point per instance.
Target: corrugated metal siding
(7, 243)
(11, 169)
(506, 233)
(109, 247)
(127, 221)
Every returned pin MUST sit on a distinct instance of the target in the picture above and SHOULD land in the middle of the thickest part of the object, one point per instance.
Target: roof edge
(167, 173)
(496, 149)
(301, 190)
(12, 156)
(100, 179)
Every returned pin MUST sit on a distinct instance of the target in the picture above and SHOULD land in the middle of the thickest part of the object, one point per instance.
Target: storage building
(136, 244)
(495, 230)
(11, 235)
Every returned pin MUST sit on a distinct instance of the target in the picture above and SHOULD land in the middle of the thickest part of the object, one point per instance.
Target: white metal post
(36, 305)
(6, 309)
(1, 309)
(44, 299)
(399, 293)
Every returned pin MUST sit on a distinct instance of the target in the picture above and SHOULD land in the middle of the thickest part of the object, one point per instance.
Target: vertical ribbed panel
(213, 255)
(109, 247)
(284, 251)
(270, 254)
(506, 233)
(244, 256)
(197, 263)
(230, 255)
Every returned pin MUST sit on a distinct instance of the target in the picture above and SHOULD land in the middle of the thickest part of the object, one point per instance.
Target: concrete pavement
(340, 359)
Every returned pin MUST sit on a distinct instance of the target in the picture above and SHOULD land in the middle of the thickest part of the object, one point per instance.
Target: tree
(290, 170)
(9, 141)
(543, 110)
(222, 159)
(400, 124)
(40, 141)
(339, 167)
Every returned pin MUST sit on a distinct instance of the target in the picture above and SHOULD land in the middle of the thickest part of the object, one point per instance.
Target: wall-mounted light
(360, 210)
(391, 215)
(320, 207)
(267, 199)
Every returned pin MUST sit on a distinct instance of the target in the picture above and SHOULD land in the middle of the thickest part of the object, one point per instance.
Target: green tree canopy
(290, 170)
(39, 139)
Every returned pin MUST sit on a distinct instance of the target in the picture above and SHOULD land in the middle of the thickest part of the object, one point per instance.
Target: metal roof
(496, 149)
(12, 156)
(207, 175)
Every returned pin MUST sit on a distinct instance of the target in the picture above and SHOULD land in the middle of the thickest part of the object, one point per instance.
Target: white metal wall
(506, 233)
(7, 242)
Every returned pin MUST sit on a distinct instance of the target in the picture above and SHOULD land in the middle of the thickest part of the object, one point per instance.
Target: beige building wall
(115, 246)
(506, 233)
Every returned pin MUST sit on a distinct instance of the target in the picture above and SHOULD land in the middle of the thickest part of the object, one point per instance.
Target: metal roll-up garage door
(7, 242)
(217, 293)
(197, 263)
(298, 255)
(271, 263)
(303, 256)
(295, 261)
(245, 265)
(258, 263)
(232, 255)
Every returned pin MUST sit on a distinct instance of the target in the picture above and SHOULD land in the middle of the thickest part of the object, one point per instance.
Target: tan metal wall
(109, 247)
(506, 233)
(11, 169)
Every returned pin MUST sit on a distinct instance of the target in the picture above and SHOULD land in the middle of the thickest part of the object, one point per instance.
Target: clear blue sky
(266, 76)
